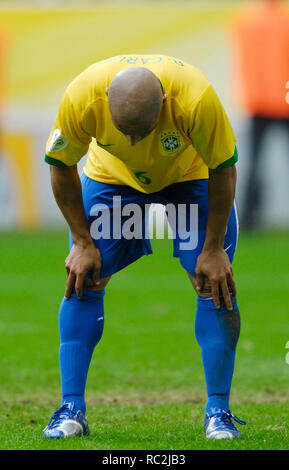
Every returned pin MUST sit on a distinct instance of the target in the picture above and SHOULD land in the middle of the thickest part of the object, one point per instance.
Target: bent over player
(156, 133)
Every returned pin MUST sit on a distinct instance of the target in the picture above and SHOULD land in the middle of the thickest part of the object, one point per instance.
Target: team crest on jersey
(170, 142)
(57, 142)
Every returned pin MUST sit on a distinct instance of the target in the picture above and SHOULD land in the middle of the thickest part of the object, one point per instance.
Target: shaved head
(135, 99)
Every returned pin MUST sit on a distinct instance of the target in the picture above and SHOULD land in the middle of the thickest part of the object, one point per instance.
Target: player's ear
(165, 97)
(106, 91)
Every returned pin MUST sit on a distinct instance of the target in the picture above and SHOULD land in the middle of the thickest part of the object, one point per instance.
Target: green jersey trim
(53, 161)
(231, 160)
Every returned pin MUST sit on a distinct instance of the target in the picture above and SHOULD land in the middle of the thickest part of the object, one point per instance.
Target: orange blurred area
(262, 51)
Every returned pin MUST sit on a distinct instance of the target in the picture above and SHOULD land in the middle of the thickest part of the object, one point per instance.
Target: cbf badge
(170, 142)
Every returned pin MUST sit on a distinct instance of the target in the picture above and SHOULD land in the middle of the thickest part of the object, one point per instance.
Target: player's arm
(213, 263)
(68, 142)
(214, 139)
(83, 257)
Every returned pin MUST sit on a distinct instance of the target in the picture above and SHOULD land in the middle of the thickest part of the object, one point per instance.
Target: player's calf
(217, 332)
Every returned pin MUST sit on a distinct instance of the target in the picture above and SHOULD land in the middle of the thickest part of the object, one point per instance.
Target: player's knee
(206, 290)
(88, 284)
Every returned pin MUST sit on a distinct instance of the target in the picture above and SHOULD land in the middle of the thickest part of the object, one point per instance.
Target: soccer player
(156, 133)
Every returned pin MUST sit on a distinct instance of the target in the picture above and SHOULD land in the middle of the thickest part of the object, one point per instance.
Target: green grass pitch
(145, 386)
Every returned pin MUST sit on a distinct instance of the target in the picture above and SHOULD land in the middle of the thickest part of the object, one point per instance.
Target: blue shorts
(187, 209)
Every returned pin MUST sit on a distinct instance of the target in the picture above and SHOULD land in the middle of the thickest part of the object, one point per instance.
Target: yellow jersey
(193, 132)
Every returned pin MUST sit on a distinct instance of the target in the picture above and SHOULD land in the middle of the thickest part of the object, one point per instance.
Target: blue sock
(80, 326)
(217, 332)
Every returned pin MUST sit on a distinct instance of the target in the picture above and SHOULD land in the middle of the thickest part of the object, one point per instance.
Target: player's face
(135, 135)
(133, 139)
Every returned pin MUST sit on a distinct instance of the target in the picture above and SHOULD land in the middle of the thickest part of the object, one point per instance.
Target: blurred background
(44, 44)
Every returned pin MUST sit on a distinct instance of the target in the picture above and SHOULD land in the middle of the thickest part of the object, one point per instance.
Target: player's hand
(81, 260)
(215, 267)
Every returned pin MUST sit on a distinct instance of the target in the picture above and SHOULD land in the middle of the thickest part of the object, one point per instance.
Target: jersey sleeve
(211, 132)
(68, 141)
